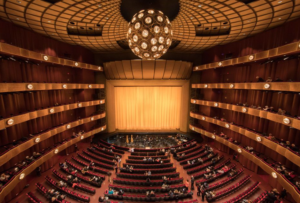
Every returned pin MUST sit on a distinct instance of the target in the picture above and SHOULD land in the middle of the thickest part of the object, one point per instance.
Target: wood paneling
(275, 86)
(44, 112)
(295, 123)
(144, 69)
(17, 87)
(43, 136)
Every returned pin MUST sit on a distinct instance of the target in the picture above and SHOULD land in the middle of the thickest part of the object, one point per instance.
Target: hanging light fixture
(149, 34)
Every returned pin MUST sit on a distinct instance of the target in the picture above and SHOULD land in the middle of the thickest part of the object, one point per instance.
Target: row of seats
(70, 193)
(189, 166)
(147, 153)
(261, 198)
(219, 175)
(144, 182)
(162, 197)
(231, 189)
(44, 191)
(95, 168)
(97, 163)
(104, 151)
(99, 153)
(199, 168)
(225, 181)
(134, 161)
(198, 155)
(80, 169)
(79, 186)
(33, 198)
(190, 150)
(140, 189)
(142, 157)
(106, 163)
(115, 149)
(246, 193)
(82, 178)
(189, 155)
(154, 170)
(200, 174)
(152, 176)
(148, 166)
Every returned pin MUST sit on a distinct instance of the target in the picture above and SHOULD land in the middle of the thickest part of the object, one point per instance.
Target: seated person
(297, 183)
(130, 169)
(164, 186)
(121, 192)
(294, 148)
(249, 148)
(281, 111)
(110, 191)
(259, 79)
(144, 159)
(61, 184)
(36, 155)
(152, 193)
(269, 79)
(101, 199)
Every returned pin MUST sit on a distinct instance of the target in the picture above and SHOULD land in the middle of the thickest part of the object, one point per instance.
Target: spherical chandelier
(149, 34)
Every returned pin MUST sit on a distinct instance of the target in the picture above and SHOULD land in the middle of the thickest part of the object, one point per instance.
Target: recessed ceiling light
(279, 2)
(99, 5)
(49, 21)
(279, 18)
(85, 12)
(19, 2)
(213, 12)
(18, 18)
(192, 17)
(224, 27)
(107, 18)
(200, 6)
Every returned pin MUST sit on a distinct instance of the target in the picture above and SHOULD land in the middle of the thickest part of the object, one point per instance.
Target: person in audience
(130, 169)
(101, 199)
(187, 184)
(232, 172)
(294, 148)
(84, 170)
(297, 183)
(269, 79)
(281, 111)
(250, 149)
(110, 191)
(171, 194)
(144, 159)
(36, 155)
(61, 184)
(200, 160)
(259, 79)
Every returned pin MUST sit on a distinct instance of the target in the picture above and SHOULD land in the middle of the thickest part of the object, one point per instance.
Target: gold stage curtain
(147, 108)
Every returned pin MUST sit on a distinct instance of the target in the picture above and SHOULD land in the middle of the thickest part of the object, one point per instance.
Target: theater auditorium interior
(132, 101)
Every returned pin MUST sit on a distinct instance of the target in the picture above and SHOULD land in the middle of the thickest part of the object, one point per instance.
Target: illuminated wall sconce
(213, 137)
(196, 68)
(205, 85)
(239, 150)
(68, 126)
(76, 64)
(22, 176)
(220, 63)
(45, 58)
(82, 137)
(90, 86)
(274, 175)
(231, 85)
(251, 57)
(64, 86)
(79, 104)
(267, 86)
(258, 139)
(216, 104)
(101, 128)
(244, 109)
(10, 121)
(203, 118)
(227, 125)
(299, 45)
(99, 68)
(37, 140)
(101, 102)
(56, 151)
(51, 110)
(193, 128)
(29, 86)
(92, 118)
(286, 121)
(194, 101)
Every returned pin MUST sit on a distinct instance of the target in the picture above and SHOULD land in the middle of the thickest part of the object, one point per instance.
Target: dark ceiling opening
(131, 7)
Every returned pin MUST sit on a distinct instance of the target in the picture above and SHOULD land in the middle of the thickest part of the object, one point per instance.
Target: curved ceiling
(53, 20)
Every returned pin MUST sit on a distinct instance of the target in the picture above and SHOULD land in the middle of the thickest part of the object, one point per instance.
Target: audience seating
(87, 172)
(148, 166)
(158, 170)
(190, 150)
(106, 152)
(117, 149)
(161, 197)
(94, 156)
(96, 162)
(229, 190)
(152, 176)
(199, 168)
(261, 198)
(133, 161)
(68, 192)
(185, 161)
(200, 174)
(219, 175)
(147, 153)
(82, 178)
(44, 191)
(79, 186)
(95, 168)
(225, 181)
(98, 153)
(141, 157)
(140, 189)
(33, 198)
(193, 153)
(188, 166)
(144, 182)
(245, 193)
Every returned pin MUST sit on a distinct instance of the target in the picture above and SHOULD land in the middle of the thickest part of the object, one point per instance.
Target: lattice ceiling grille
(245, 20)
